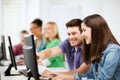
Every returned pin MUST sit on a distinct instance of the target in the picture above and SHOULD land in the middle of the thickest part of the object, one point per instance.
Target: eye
(68, 34)
(48, 28)
(73, 33)
(83, 30)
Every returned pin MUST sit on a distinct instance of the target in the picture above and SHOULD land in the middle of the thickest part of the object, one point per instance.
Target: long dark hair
(101, 36)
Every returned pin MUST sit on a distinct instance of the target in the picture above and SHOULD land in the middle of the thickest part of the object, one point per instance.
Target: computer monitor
(30, 57)
(12, 57)
(3, 48)
(29, 40)
(0, 53)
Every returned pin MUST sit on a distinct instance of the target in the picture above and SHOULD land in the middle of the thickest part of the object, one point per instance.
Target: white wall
(18, 14)
(32, 11)
(13, 18)
(1, 19)
(111, 12)
(109, 9)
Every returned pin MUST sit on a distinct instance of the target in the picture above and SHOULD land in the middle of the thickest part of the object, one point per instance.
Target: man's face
(74, 36)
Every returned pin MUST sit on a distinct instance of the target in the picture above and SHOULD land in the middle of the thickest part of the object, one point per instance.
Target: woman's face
(49, 31)
(35, 29)
(86, 33)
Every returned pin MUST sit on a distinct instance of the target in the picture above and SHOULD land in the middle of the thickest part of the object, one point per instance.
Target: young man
(71, 47)
(18, 48)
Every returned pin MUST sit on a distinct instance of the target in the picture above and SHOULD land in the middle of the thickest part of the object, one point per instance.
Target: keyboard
(24, 72)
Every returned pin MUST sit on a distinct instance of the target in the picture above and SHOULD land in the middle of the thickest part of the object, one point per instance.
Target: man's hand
(21, 62)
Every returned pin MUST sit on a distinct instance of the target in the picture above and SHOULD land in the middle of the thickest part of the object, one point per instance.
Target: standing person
(71, 47)
(101, 49)
(52, 38)
(36, 30)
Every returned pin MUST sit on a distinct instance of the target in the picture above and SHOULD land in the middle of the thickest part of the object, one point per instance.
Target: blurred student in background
(18, 48)
(36, 30)
(52, 39)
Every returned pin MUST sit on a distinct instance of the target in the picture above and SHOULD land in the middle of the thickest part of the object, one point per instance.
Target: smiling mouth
(73, 41)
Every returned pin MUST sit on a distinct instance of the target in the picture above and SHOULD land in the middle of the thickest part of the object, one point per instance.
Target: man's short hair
(74, 22)
(24, 32)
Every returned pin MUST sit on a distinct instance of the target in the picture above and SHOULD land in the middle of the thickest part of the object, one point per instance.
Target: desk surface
(22, 77)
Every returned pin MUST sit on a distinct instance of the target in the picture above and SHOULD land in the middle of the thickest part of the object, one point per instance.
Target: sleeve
(111, 61)
(63, 45)
(46, 62)
(105, 71)
(56, 59)
(87, 76)
(15, 50)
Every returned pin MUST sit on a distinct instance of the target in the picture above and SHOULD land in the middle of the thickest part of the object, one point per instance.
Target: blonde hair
(56, 32)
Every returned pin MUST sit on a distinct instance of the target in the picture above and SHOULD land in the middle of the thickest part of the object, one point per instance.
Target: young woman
(101, 50)
(36, 30)
(52, 39)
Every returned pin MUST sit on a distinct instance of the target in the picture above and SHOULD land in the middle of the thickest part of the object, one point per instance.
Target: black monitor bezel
(3, 48)
(34, 57)
(12, 53)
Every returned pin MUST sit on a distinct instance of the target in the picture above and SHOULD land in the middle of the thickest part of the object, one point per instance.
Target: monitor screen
(0, 53)
(3, 48)
(30, 57)
(12, 57)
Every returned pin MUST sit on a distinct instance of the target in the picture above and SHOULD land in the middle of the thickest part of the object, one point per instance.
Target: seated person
(18, 51)
(102, 51)
(36, 30)
(52, 38)
(71, 47)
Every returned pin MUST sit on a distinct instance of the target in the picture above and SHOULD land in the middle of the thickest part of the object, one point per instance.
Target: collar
(76, 49)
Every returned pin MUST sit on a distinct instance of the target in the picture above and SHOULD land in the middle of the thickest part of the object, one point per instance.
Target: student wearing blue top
(71, 47)
(36, 30)
(101, 50)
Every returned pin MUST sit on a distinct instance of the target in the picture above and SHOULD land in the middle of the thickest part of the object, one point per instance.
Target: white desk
(22, 77)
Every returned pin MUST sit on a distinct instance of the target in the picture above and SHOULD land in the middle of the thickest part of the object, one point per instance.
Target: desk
(22, 77)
